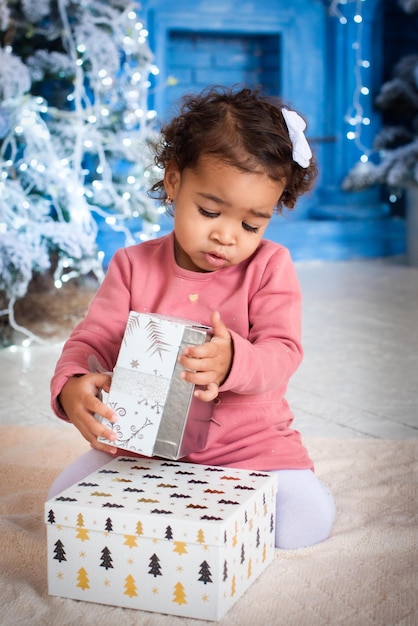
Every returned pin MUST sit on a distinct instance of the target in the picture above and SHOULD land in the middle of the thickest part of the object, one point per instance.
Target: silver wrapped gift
(158, 414)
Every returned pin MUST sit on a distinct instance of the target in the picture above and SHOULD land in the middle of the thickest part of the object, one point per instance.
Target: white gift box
(158, 414)
(162, 536)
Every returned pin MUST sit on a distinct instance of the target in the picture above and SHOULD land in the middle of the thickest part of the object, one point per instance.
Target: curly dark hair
(242, 128)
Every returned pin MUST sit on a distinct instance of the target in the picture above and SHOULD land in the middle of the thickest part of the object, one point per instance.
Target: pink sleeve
(273, 351)
(100, 333)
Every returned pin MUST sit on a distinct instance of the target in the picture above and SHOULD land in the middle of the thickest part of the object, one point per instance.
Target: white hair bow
(302, 153)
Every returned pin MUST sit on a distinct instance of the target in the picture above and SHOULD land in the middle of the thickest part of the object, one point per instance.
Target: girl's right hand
(80, 399)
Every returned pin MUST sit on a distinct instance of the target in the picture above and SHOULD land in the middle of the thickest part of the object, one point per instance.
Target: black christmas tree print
(51, 516)
(59, 551)
(156, 338)
(154, 566)
(225, 572)
(108, 525)
(205, 573)
(242, 554)
(168, 533)
(106, 559)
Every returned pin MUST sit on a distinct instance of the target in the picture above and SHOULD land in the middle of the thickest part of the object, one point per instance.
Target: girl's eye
(251, 229)
(209, 214)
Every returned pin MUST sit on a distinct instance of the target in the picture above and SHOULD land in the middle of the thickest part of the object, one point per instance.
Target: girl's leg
(305, 509)
(80, 468)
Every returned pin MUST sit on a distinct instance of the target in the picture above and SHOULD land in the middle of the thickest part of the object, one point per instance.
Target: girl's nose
(224, 236)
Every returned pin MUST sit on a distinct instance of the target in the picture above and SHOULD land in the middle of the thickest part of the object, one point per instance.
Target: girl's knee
(305, 510)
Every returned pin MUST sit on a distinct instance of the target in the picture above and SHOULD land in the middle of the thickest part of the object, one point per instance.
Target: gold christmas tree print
(130, 586)
(139, 529)
(233, 586)
(82, 533)
(249, 568)
(180, 547)
(179, 595)
(200, 536)
(83, 579)
(130, 540)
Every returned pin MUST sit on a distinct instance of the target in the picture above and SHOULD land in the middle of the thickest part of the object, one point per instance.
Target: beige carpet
(365, 574)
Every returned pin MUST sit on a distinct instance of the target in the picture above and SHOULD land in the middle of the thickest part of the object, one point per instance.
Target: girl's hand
(80, 399)
(209, 365)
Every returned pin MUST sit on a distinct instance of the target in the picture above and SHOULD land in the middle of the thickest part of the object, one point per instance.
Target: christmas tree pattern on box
(161, 536)
(157, 412)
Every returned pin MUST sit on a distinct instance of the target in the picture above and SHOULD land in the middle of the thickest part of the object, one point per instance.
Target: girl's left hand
(209, 365)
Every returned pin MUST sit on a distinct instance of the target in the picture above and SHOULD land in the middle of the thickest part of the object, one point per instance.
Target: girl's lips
(215, 260)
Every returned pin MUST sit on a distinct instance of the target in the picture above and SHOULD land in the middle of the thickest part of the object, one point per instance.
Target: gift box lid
(146, 496)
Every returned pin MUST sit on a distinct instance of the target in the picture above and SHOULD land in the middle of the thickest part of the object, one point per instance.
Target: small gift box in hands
(158, 413)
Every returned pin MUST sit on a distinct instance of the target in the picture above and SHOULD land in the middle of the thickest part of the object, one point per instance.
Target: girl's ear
(171, 180)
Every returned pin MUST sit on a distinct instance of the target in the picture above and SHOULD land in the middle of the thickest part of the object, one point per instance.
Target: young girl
(230, 159)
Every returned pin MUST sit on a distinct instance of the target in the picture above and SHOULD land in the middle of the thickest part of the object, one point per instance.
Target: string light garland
(355, 116)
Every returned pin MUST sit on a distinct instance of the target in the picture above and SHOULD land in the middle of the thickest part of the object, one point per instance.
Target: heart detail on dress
(193, 297)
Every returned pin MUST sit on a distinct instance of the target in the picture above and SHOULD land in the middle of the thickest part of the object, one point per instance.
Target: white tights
(305, 509)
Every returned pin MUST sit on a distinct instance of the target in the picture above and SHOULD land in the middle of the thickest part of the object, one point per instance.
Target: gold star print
(106, 583)
(205, 597)
(179, 568)
(60, 575)
(130, 561)
(58, 527)
(82, 555)
(155, 591)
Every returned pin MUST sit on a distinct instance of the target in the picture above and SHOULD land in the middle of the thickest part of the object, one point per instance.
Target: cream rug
(365, 574)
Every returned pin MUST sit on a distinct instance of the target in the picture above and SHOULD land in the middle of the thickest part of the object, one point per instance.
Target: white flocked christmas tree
(75, 132)
(396, 145)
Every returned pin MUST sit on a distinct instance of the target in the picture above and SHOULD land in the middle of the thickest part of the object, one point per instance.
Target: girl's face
(220, 213)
